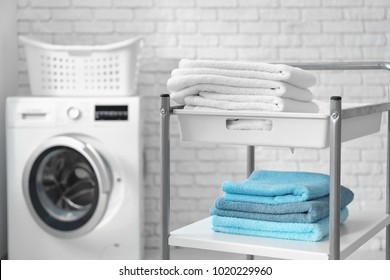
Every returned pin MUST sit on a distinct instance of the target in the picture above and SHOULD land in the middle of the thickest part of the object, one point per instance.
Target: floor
(195, 254)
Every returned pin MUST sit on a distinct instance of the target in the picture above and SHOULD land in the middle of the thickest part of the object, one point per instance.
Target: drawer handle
(249, 124)
(33, 115)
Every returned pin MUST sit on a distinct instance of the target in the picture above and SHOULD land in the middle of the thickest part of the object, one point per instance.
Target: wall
(267, 30)
(8, 77)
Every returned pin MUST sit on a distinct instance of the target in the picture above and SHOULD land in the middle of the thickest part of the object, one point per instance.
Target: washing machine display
(111, 113)
(74, 178)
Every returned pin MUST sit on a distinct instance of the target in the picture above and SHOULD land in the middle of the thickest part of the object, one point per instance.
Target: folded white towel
(250, 74)
(237, 124)
(277, 72)
(243, 97)
(181, 82)
(279, 105)
(281, 90)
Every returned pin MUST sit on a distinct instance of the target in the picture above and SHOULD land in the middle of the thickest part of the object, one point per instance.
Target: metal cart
(199, 236)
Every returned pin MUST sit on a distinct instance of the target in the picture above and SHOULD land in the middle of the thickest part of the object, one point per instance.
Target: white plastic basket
(59, 70)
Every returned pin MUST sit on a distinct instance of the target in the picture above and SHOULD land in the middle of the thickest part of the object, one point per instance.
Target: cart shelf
(358, 229)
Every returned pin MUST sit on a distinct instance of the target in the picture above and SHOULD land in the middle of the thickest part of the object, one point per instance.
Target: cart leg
(388, 187)
(250, 166)
(165, 174)
(334, 195)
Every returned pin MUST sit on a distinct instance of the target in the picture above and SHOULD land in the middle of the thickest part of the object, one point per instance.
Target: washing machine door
(66, 186)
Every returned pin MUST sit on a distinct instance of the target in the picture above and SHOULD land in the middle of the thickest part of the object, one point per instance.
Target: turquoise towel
(297, 212)
(276, 187)
(292, 231)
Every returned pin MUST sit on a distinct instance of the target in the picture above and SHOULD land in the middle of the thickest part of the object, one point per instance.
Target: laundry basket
(100, 70)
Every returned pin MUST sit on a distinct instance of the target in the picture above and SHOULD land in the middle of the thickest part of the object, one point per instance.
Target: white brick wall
(267, 30)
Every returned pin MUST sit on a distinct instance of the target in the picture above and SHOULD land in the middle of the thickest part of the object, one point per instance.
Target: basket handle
(123, 44)
(80, 53)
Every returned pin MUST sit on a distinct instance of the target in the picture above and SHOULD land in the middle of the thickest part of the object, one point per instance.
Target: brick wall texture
(250, 30)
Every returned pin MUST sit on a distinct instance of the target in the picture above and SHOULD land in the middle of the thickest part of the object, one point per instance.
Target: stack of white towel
(232, 85)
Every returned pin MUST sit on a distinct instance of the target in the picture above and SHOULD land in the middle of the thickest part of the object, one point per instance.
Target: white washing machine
(74, 182)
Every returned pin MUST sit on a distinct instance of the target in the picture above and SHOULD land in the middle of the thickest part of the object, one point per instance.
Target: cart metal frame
(337, 115)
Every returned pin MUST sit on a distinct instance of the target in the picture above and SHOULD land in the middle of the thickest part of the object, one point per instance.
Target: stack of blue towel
(278, 204)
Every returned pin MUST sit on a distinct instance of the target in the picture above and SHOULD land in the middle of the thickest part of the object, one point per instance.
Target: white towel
(281, 90)
(181, 82)
(276, 72)
(243, 97)
(278, 105)
(250, 74)
(237, 124)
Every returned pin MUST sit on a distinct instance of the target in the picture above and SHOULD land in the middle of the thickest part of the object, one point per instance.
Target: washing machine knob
(74, 113)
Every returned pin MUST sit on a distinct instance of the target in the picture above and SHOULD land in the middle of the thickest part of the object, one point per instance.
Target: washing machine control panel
(111, 113)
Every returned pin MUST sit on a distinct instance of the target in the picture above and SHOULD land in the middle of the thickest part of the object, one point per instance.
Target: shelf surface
(358, 229)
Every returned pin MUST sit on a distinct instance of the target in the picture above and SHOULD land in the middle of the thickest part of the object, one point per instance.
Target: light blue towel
(297, 212)
(292, 231)
(276, 187)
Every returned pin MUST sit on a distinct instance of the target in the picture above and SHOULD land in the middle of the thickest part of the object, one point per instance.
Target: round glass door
(66, 185)
(63, 188)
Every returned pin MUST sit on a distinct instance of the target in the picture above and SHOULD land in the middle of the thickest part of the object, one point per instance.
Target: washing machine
(74, 178)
